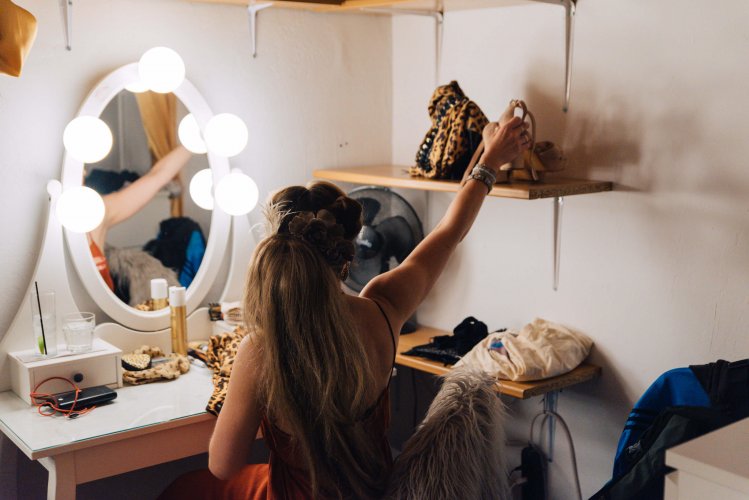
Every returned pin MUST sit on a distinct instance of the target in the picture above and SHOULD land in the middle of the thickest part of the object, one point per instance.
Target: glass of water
(44, 321)
(79, 331)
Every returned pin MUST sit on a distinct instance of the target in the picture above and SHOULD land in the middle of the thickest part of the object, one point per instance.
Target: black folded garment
(448, 356)
(449, 349)
(469, 333)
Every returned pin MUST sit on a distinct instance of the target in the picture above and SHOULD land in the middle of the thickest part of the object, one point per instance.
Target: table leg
(61, 483)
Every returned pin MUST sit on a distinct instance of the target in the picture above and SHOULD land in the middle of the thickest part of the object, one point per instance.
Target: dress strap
(370, 411)
(392, 335)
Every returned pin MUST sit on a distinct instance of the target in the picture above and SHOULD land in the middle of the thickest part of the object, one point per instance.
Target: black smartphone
(87, 397)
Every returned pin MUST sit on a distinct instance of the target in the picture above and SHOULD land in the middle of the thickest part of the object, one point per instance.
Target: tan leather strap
(528, 154)
(514, 104)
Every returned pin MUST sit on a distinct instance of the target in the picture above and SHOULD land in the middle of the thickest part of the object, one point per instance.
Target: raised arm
(402, 289)
(126, 202)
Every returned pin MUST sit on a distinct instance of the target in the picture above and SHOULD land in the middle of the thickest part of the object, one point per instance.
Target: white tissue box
(100, 366)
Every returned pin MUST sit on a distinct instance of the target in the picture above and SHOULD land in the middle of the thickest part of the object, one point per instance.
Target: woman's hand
(503, 143)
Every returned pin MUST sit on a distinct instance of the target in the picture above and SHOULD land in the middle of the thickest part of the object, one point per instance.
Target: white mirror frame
(78, 245)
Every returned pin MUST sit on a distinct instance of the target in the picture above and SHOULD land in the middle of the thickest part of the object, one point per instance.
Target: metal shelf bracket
(252, 10)
(439, 21)
(66, 10)
(558, 205)
(569, 27)
(550, 408)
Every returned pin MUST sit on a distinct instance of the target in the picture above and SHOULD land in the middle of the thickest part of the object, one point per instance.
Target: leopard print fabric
(171, 369)
(457, 123)
(218, 354)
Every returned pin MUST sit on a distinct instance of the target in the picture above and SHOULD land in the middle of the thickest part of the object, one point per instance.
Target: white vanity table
(145, 425)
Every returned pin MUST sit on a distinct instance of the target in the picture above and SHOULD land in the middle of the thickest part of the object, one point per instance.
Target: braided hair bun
(321, 215)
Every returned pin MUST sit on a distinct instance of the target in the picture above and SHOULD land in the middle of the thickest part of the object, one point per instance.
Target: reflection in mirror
(151, 229)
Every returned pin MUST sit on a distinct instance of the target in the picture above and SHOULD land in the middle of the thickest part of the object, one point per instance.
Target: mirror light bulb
(87, 139)
(136, 87)
(226, 135)
(236, 193)
(161, 69)
(201, 186)
(80, 209)
(189, 135)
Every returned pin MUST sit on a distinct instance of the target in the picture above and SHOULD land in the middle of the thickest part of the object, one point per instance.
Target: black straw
(41, 320)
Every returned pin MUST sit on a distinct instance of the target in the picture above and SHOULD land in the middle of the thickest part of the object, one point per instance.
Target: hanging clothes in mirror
(180, 245)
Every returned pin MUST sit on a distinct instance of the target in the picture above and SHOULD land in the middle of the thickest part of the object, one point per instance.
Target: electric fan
(391, 230)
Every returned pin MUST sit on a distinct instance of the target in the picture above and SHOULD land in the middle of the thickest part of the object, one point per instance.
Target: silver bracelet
(483, 174)
(483, 168)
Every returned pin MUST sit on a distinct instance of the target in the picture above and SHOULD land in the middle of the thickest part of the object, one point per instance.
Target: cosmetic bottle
(159, 289)
(178, 319)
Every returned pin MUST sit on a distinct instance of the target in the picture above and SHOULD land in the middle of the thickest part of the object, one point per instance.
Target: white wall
(318, 95)
(657, 271)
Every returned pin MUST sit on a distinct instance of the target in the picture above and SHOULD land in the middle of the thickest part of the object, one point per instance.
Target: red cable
(46, 400)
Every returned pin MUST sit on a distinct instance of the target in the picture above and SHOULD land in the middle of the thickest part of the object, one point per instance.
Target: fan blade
(370, 209)
(362, 270)
(397, 236)
(368, 243)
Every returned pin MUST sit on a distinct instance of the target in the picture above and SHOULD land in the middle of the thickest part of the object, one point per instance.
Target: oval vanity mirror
(166, 236)
(152, 229)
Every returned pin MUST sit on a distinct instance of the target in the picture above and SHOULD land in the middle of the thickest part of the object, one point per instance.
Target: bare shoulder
(387, 291)
(246, 360)
(368, 313)
(375, 328)
(248, 349)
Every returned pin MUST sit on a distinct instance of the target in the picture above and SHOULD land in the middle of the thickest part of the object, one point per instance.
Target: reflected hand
(503, 143)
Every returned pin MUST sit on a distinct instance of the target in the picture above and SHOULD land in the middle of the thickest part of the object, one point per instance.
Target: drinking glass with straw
(44, 321)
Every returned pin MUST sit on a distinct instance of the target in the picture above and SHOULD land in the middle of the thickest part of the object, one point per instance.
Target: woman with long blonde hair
(313, 374)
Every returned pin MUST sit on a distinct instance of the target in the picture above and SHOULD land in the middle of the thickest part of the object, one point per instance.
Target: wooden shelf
(408, 5)
(520, 390)
(397, 176)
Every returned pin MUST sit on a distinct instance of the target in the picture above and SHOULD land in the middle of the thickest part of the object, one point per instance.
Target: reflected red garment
(101, 264)
(283, 477)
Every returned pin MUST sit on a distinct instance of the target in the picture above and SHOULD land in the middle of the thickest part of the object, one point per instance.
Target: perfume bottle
(159, 291)
(178, 319)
